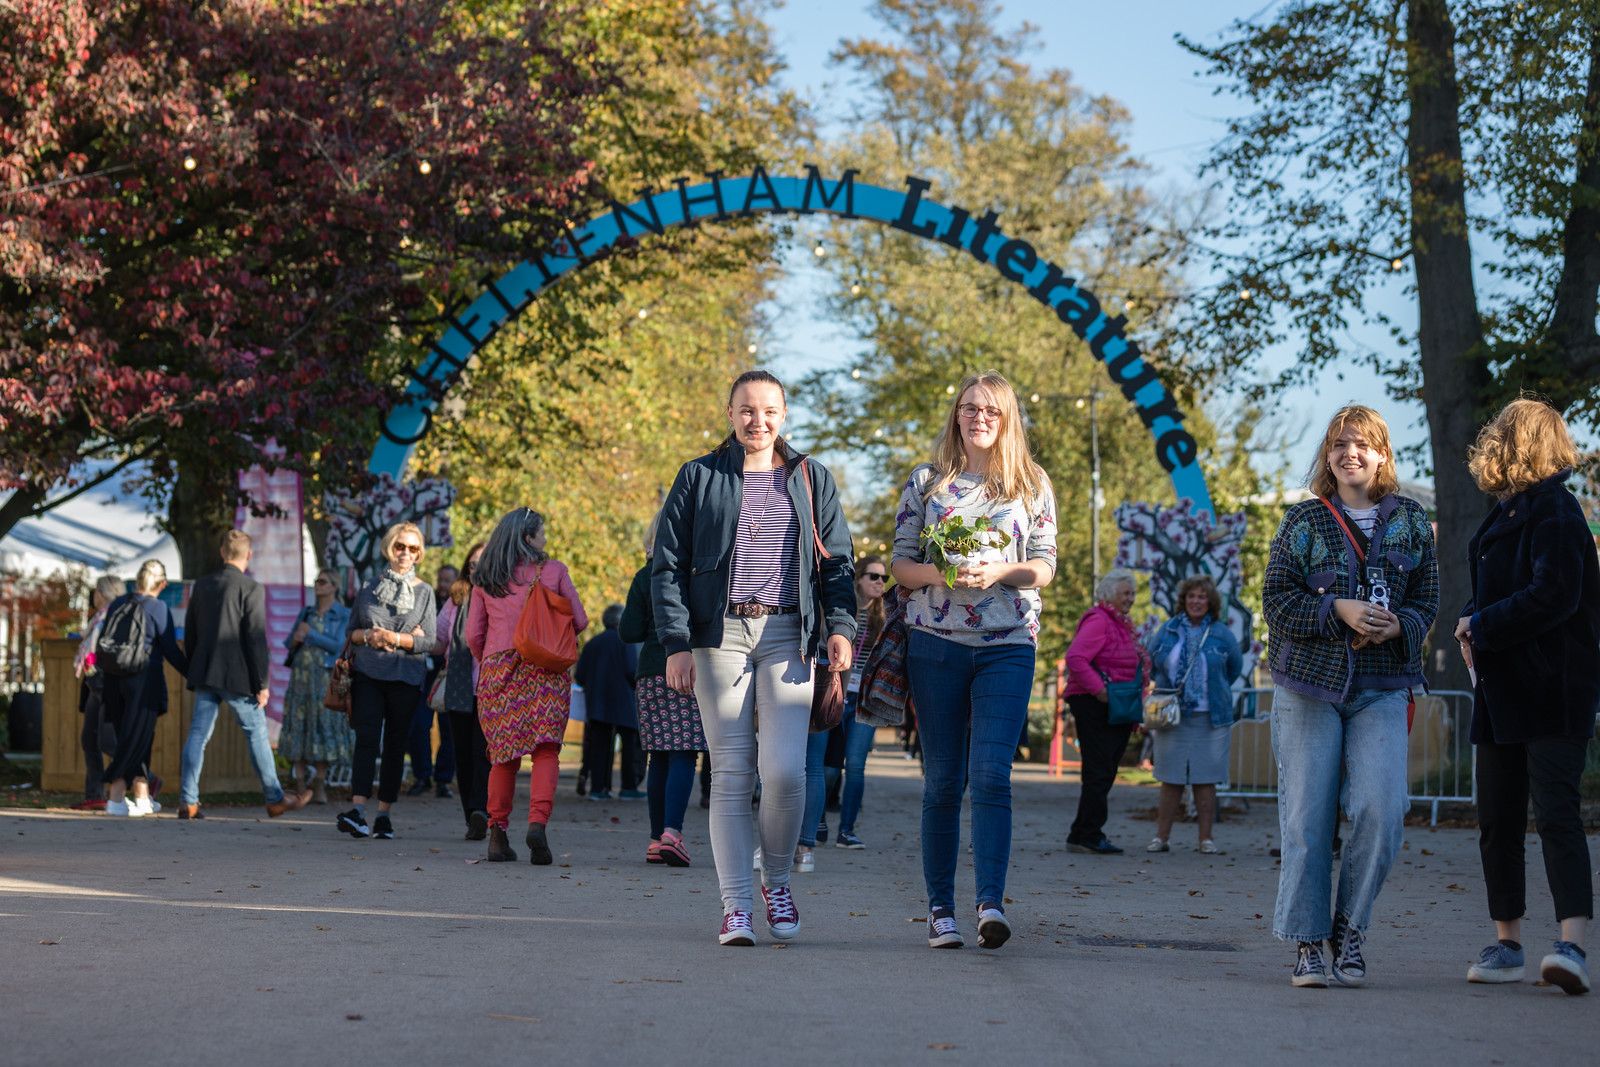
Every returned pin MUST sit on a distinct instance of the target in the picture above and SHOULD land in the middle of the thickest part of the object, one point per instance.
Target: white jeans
(758, 665)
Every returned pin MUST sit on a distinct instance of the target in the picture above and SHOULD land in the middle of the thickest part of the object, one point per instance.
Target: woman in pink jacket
(523, 707)
(1104, 650)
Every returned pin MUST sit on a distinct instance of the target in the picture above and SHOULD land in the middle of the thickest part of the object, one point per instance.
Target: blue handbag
(1123, 700)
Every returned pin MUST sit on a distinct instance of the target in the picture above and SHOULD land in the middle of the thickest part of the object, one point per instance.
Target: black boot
(499, 847)
(538, 845)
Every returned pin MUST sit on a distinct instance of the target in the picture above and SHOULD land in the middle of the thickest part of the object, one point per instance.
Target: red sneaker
(736, 930)
(98, 804)
(782, 915)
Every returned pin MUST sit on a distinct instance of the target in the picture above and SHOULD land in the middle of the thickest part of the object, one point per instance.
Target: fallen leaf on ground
(49, 942)
(513, 1018)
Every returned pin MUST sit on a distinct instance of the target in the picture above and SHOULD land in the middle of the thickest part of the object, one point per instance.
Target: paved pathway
(285, 942)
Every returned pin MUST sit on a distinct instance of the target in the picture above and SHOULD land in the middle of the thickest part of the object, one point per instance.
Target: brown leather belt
(752, 609)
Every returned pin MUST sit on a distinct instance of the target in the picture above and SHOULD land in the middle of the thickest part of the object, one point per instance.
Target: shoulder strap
(816, 538)
(1338, 517)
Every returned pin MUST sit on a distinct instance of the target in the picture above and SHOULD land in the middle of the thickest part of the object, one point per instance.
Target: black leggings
(380, 711)
(1101, 745)
(599, 745)
(472, 761)
(1546, 769)
(98, 738)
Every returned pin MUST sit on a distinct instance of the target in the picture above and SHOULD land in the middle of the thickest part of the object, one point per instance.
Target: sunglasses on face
(415, 550)
(871, 577)
(323, 581)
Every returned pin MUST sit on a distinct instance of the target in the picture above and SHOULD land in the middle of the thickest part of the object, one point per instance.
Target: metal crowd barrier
(1440, 758)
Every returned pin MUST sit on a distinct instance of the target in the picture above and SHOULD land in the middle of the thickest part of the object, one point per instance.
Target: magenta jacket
(1104, 640)
(491, 621)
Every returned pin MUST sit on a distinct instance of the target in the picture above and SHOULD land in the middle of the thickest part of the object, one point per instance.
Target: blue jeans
(858, 739)
(1363, 742)
(971, 703)
(816, 791)
(668, 784)
(252, 720)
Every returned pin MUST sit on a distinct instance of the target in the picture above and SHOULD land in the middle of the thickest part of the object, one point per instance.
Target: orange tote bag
(546, 634)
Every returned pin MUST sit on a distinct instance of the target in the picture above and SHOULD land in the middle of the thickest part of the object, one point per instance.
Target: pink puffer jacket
(1104, 640)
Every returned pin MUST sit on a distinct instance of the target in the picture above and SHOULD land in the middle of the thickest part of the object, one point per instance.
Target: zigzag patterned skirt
(520, 705)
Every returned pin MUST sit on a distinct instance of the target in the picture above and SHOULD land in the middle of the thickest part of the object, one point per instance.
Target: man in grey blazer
(225, 636)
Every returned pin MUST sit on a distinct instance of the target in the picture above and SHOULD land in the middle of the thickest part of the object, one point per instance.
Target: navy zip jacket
(692, 569)
(1535, 613)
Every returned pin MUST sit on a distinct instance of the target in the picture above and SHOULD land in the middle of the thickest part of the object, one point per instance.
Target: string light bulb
(189, 163)
(751, 349)
(1245, 294)
(644, 313)
(819, 251)
(1127, 305)
(949, 390)
(856, 373)
(855, 290)
(425, 167)
(1398, 264)
(1078, 403)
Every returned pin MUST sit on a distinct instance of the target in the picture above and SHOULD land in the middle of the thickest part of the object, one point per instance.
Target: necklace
(755, 524)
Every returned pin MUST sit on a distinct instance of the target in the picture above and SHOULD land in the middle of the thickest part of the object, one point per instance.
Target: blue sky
(1126, 51)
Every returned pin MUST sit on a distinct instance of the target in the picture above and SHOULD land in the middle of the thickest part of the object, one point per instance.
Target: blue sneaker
(1497, 963)
(1567, 968)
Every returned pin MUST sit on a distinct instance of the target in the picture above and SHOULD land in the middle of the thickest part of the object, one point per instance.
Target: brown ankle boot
(499, 847)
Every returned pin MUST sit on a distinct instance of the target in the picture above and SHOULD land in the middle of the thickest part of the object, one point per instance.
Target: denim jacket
(331, 639)
(1223, 661)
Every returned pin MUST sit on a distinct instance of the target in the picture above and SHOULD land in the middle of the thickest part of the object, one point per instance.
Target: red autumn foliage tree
(222, 220)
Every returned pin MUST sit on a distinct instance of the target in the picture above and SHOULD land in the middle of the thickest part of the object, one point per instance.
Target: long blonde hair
(1526, 443)
(1012, 474)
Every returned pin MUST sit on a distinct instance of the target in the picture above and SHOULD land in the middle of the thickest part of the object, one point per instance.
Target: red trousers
(541, 791)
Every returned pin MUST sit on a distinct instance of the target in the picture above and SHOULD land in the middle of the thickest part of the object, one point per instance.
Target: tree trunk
(18, 506)
(200, 512)
(1455, 374)
(1575, 346)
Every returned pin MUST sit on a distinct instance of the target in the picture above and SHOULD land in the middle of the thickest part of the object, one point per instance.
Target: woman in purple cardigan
(1104, 650)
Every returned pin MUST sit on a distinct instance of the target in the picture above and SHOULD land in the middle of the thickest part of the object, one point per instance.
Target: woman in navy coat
(1532, 634)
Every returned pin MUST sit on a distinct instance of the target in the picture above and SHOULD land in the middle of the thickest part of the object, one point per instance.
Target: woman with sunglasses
(391, 633)
(970, 653)
(311, 733)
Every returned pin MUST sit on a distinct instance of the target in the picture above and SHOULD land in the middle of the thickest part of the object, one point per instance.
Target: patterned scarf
(393, 591)
(1194, 680)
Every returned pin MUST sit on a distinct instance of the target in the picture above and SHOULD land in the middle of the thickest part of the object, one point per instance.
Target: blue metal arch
(725, 198)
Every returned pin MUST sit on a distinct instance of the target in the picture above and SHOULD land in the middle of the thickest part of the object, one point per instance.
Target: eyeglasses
(401, 546)
(322, 581)
(869, 576)
(971, 412)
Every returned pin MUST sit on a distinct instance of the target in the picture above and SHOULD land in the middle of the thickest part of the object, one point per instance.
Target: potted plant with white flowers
(960, 544)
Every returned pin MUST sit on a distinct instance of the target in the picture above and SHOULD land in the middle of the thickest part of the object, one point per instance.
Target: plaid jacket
(885, 693)
(1311, 565)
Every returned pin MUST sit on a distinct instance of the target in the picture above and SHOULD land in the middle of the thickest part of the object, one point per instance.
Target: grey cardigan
(409, 666)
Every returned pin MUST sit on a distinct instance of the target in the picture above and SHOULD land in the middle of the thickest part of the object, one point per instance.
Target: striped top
(764, 545)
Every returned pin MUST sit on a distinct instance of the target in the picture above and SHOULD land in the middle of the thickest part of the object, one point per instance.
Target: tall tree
(221, 218)
(1461, 138)
(949, 96)
(586, 406)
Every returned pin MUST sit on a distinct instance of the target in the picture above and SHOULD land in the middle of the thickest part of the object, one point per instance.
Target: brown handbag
(827, 687)
(337, 698)
(546, 634)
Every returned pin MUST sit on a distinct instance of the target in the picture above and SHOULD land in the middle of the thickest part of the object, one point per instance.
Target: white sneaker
(150, 805)
(805, 860)
(138, 809)
(118, 807)
(757, 864)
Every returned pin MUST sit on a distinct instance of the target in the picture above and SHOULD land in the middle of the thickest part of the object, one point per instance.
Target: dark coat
(1535, 613)
(605, 670)
(692, 570)
(225, 633)
(638, 626)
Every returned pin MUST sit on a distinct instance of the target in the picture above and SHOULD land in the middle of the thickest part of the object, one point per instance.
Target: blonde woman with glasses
(970, 654)
(391, 633)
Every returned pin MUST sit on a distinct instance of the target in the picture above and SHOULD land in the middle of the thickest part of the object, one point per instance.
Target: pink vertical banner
(277, 561)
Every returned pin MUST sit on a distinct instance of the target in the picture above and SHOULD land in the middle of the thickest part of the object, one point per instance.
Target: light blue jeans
(858, 738)
(816, 787)
(1361, 743)
(252, 720)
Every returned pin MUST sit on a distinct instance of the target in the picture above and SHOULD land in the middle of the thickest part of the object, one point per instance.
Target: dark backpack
(123, 648)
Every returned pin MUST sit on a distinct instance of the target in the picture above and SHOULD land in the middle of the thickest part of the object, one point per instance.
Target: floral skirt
(669, 721)
(310, 731)
(521, 706)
